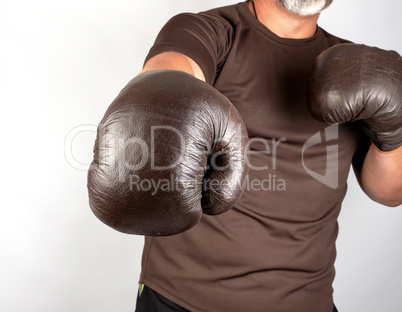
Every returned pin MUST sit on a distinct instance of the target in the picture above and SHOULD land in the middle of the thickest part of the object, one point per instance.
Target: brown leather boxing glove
(353, 82)
(169, 148)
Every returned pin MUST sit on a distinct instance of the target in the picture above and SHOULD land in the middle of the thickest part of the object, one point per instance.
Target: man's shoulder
(226, 15)
(332, 39)
(228, 11)
(221, 20)
(221, 17)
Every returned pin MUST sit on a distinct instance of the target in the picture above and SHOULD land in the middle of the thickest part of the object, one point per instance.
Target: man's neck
(282, 23)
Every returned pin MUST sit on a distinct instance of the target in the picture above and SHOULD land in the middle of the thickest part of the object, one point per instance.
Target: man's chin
(304, 8)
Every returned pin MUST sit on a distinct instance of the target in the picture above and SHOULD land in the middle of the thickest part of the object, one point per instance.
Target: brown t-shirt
(275, 250)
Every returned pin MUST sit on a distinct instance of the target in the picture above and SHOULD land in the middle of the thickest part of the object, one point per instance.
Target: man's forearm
(381, 176)
(174, 61)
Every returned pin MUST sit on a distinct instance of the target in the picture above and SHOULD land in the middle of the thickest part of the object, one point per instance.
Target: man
(275, 250)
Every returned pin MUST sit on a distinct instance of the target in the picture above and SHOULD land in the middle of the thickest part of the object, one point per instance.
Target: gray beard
(304, 7)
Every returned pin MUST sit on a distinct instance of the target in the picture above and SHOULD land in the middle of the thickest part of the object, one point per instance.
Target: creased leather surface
(170, 128)
(353, 82)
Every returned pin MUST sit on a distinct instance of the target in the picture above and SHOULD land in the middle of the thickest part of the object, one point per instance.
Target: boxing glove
(352, 82)
(169, 148)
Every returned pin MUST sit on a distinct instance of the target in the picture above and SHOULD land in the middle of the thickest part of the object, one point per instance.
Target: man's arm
(358, 83)
(380, 176)
(174, 61)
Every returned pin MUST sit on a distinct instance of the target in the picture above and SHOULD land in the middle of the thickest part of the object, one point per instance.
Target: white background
(61, 64)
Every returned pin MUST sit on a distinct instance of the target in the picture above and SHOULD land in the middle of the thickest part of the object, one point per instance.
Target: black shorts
(150, 301)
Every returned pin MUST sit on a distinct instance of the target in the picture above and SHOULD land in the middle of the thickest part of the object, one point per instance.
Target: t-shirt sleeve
(203, 37)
